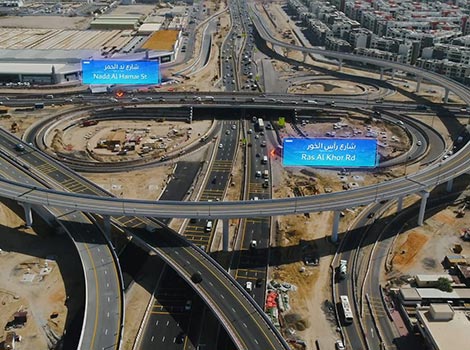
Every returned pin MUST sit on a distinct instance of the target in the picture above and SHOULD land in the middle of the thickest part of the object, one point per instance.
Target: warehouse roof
(163, 40)
(37, 68)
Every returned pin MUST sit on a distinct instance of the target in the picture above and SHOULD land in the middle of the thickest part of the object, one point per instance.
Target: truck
(208, 98)
(342, 269)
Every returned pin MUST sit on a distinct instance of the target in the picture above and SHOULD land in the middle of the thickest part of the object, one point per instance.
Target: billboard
(101, 72)
(329, 152)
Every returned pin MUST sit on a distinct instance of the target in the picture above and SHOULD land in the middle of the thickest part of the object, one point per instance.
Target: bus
(347, 312)
(260, 124)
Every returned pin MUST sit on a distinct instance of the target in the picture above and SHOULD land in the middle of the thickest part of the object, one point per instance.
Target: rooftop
(452, 334)
(163, 40)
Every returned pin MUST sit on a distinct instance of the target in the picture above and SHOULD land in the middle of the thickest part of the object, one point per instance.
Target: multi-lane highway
(244, 321)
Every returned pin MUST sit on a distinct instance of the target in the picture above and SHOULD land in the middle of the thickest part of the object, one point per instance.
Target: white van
(265, 160)
(208, 226)
(266, 174)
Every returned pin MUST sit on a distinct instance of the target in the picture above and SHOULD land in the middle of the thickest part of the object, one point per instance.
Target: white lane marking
(109, 299)
(233, 310)
(107, 285)
(222, 296)
(163, 339)
(177, 252)
(174, 340)
(156, 323)
(211, 284)
(187, 262)
(167, 323)
(102, 260)
(244, 324)
(153, 337)
(98, 249)
(105, 272)
(106, 331)
(256, 341)
(107, 315)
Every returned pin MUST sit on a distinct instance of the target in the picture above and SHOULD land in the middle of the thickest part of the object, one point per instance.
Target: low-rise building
(443, 327)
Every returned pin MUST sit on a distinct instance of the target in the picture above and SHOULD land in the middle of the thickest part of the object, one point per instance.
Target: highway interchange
(256, 212)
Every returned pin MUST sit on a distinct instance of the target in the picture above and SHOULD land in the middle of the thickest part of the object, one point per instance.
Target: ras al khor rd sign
(328, 152)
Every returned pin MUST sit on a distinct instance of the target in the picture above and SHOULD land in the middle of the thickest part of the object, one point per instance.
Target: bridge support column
(334, 234)
(393, 73)
(340, 64)
(418, 84)
(28, 214)
(450, 183)
(107, 226)
(399, 204)
(381, 74)
(422, 207)
(225, 236)
(446, 95)
(305, 56)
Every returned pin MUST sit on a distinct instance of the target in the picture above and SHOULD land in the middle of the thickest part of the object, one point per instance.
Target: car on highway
(188, 305)
(180, 338)
(371, 215)
(249, 286)
(196, 277)
(221, 145)
(258, 173)
(259, 282)
(19, 147)
(419, 143)
(253, 244)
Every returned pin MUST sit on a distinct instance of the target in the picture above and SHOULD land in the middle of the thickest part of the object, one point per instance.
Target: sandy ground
(46, 22)
(29, 282)
(166, 137)
(327, 87)
(421, 250)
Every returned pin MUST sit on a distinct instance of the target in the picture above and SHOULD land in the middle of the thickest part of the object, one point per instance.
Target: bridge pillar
(399, 204)
(225, 236)
(393, 73)
(381, 74)
(334, 234)
(107, 226)
(28, 214)
(422, 207)
(340, 64)
(305, 56)
(418, 84)
(446, 95)
(450, 183)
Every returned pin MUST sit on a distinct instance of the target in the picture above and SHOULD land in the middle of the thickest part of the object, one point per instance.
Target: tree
(444, 284)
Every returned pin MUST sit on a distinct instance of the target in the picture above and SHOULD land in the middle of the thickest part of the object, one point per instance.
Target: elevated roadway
(423, 180)
(243, 319)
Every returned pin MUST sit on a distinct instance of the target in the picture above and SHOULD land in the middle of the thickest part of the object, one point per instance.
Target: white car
(339, 345)
(249, 286)
(221, 146)
(258, 173)
(188, 305)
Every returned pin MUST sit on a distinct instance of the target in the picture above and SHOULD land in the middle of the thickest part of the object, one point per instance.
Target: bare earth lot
(39, 269)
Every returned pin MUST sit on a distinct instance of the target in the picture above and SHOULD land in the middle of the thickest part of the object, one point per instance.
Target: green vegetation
(444, 284)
